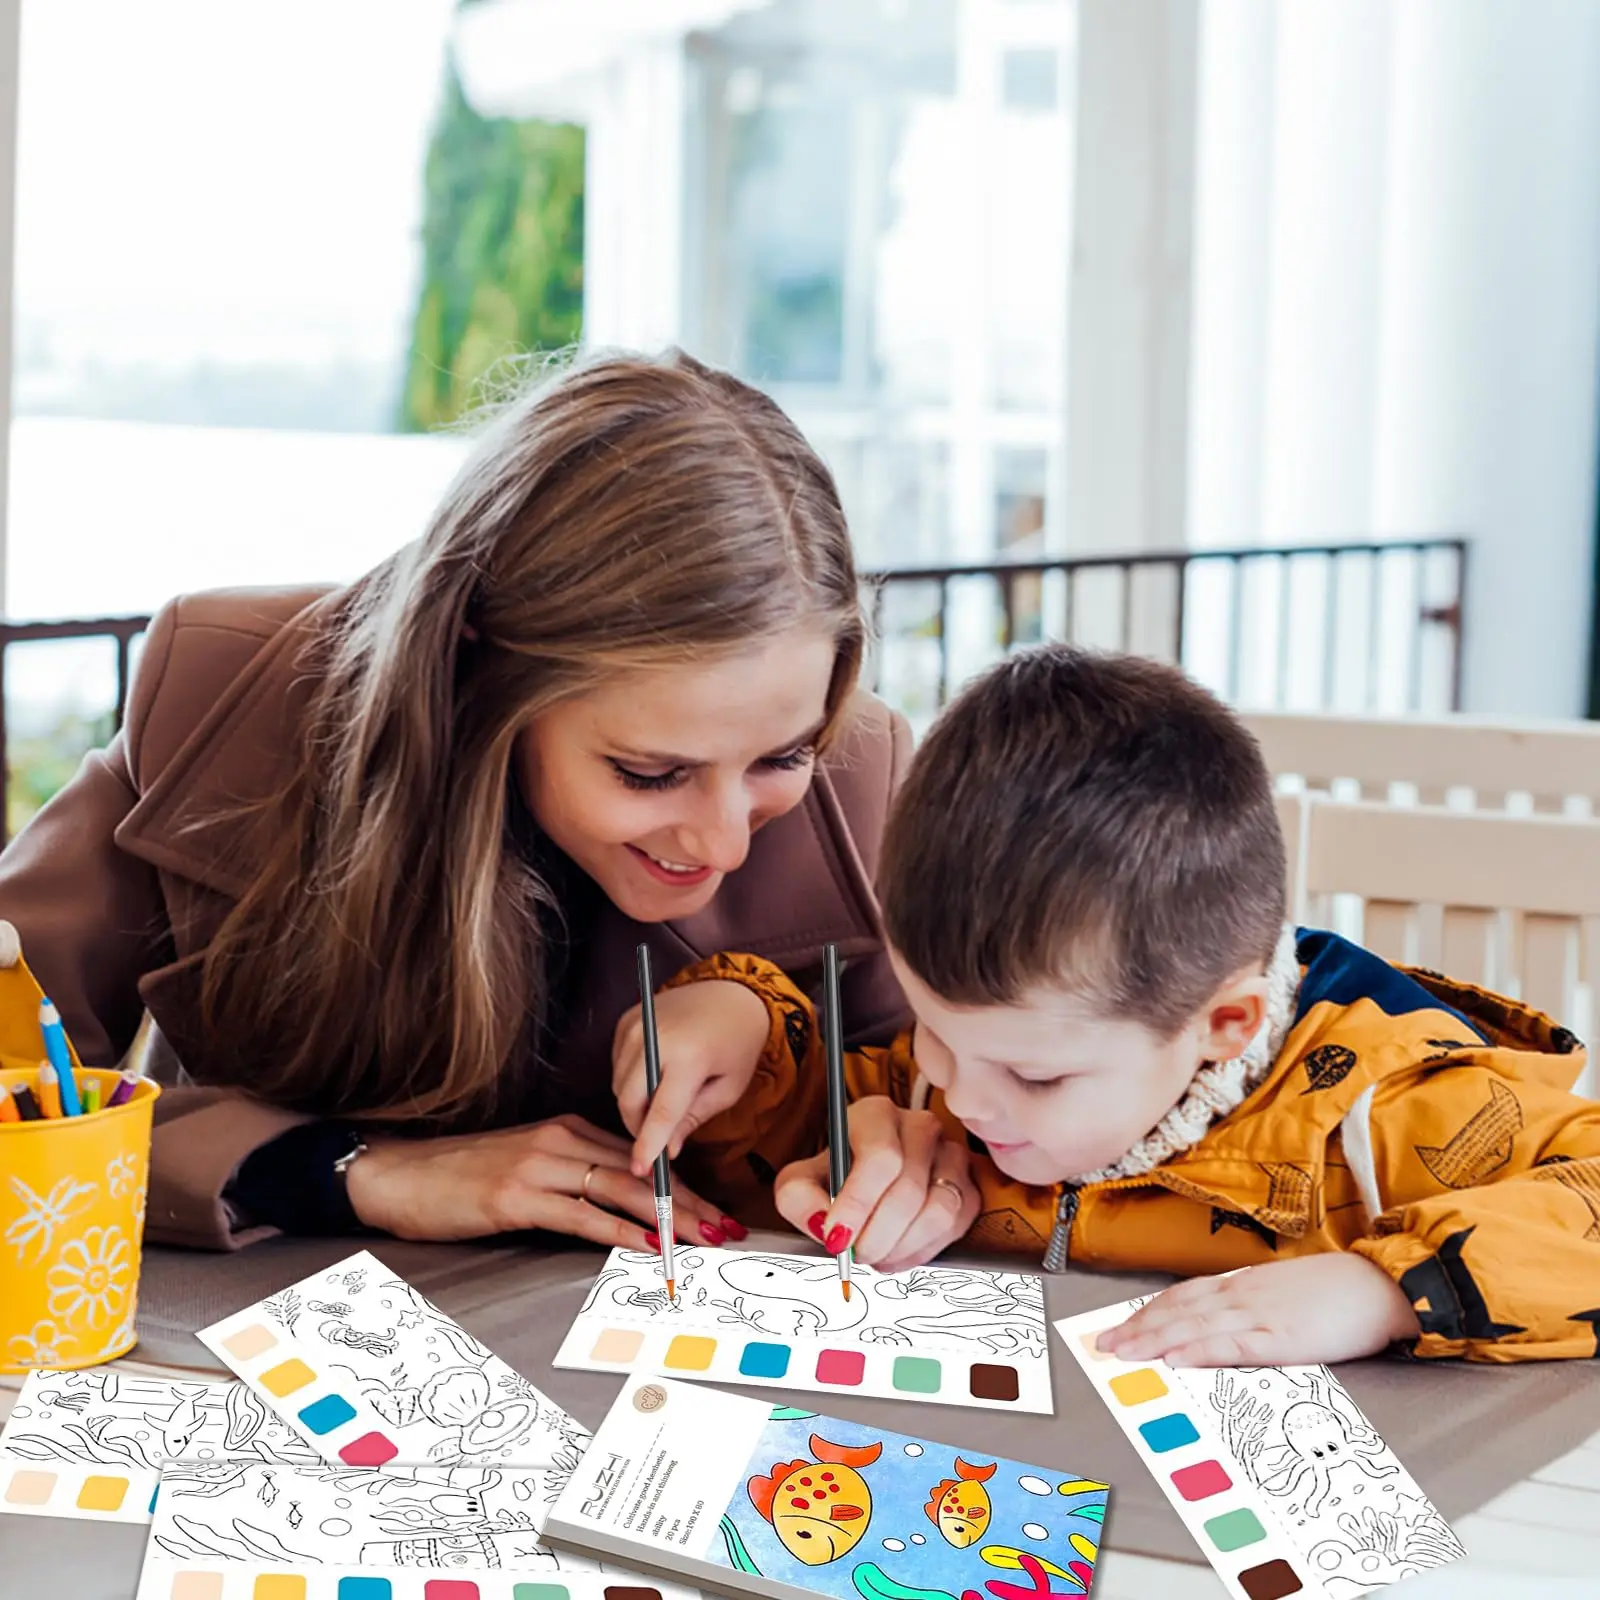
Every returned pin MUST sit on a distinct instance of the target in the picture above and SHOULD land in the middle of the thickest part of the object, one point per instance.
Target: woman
(376, 860)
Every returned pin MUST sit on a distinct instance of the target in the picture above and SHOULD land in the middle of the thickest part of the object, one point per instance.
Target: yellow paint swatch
(102, 1494)
(286, 1377)
(1134, 1388)
(690, 1353)
(279, 1586)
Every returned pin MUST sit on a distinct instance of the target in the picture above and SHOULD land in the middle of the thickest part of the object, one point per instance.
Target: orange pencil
(8, 1106)
(49, 1090)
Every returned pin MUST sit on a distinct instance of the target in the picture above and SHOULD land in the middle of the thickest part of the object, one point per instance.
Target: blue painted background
(902, 1481)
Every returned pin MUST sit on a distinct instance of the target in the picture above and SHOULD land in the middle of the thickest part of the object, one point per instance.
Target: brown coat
(121, 881)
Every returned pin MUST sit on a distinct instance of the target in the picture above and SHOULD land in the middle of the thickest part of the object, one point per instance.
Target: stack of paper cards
(949, 1335)
(744, 1497)
(1283, 1482)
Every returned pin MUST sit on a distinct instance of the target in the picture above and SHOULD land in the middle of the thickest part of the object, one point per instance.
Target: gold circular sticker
(650, 1398)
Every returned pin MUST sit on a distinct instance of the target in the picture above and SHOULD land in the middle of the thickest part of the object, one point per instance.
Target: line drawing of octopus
(1318, 1441)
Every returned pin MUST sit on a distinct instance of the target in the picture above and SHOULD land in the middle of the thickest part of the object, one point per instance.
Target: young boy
(1122, 1057)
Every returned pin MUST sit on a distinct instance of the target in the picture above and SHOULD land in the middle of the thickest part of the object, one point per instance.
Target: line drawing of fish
(802, 1296)
(180, 1426)
(819, 1509)
(959, 1507)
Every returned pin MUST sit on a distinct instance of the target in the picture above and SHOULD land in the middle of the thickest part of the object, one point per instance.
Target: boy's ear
(1234, 1017)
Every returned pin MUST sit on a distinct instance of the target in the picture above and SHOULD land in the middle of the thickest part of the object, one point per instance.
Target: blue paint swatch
(324, 1415)
(764, 1360)
(1169, 1432)
(365, 1589)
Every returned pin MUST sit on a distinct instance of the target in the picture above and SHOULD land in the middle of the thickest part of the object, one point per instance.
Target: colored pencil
(665, 1231)
(126, 1084)
(55, 1046)
(91, 1096)
(48, 1090)
(8, 1107)
(838, 1115)
(27, 1104)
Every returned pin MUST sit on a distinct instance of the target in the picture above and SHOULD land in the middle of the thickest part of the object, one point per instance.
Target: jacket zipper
(1059, 1250)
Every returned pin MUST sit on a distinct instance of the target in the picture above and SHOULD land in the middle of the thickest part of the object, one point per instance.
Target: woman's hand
(1306, 1311)
(909, 1194)
(477, 1184)
(711, 1035)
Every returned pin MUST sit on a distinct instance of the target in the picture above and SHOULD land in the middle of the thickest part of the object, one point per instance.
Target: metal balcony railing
(1385, 614)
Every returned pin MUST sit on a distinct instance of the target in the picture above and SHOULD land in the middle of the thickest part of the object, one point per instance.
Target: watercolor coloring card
(91, 1444)
(742, 1496)
(946, 1335)
(241, 1527)
(359, 1363)
(1284, 1484)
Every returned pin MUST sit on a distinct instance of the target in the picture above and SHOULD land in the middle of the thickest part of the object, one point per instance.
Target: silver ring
(594, 1167)
(954, 1188)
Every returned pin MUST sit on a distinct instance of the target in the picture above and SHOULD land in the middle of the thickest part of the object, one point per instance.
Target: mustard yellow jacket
(1425, 1124)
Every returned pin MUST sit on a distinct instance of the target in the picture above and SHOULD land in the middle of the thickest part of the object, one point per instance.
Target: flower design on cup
(46, 1346)
(122, 1175)
(89, 1282)
(43, 1214)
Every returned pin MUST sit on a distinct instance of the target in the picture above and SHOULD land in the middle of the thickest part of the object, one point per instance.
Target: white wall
(1397, 301)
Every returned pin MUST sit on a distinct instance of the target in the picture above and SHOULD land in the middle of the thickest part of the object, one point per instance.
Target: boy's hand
(1301, 1312)
(909, 1194)
(711, 1036)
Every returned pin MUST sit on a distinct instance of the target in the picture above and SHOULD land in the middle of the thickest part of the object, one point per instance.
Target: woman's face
(655, 781)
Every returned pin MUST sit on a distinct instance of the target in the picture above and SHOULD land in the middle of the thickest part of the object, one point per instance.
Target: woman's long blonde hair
(386, 958)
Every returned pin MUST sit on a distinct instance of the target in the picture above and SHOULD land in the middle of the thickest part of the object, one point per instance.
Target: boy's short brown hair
(1095, 823)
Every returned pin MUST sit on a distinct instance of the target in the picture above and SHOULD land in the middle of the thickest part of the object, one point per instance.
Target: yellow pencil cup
(72, 1194)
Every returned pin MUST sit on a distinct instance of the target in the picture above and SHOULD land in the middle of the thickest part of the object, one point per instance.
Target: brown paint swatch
(993, 1383)
(621, 1592)
(1272, 1580)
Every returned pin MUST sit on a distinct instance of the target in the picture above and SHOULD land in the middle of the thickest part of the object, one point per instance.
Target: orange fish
(819, 1509)
(959, 1507)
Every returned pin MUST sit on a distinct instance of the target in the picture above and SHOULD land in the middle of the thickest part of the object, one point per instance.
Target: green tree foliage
(502, 254)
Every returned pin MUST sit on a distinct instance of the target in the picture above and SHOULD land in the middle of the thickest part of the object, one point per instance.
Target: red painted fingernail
(734, 1230)
(815, 1226)
(653, 1239)
(838, 1238)
(711, 1235)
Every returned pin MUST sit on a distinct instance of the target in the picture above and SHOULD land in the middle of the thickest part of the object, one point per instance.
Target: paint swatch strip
(166, 1580)
(945, 1336)
(1282, 1482)
(73, 1489)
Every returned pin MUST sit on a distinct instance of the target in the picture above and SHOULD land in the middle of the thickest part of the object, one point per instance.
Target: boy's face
(1055, 1089)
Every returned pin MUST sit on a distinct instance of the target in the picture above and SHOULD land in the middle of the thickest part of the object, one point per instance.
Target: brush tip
(672, 1290)
(846, 1287)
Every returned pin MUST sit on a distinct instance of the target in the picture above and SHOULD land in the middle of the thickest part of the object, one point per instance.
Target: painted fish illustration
(819, 1509)
(802, 1296)
(959, 1507)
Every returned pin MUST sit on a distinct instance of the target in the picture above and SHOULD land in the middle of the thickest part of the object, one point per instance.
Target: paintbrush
(652, 1080)
(838, 1117)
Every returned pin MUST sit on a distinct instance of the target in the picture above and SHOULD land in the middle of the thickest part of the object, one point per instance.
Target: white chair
(1509, 902)
(1546, 767)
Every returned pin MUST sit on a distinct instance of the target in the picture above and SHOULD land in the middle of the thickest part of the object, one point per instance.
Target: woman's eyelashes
(789, 761)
